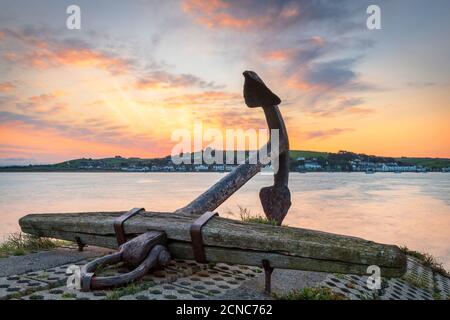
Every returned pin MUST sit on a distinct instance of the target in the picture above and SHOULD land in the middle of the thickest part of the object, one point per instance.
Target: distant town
(300, 161)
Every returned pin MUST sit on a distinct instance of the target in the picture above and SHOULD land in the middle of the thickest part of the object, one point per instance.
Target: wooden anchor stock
(228, 241)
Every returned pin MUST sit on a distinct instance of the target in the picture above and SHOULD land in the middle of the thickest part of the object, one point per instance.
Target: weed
(18, 244)
(427, 260)
(419, 282)
(315, 293)
(131, 288)
(247, 216)
(68, 295)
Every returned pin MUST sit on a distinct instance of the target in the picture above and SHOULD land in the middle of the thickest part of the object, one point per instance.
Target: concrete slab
(166, 292)
(442, 287)
(184, 279)
(15, 286)
(46, 259)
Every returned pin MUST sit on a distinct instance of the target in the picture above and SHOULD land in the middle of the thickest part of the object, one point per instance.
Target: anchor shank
(275, 121)
(256, 94)
(222, 190)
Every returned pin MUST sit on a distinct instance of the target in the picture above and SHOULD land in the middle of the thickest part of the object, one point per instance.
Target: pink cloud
(278, 55)
(44, 59)
(223, 14)
(325, 134)
(7, 86)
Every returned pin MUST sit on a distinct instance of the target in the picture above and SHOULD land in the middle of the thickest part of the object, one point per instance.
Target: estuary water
(411, 209)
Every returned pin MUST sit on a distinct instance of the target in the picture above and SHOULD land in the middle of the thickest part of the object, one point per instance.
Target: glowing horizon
(136, 72)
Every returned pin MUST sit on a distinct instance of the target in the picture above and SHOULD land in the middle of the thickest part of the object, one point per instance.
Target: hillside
(310, 160)
(294, 154)
(437, 163)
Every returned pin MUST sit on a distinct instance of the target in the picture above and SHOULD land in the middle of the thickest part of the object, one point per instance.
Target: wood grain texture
(229, 241)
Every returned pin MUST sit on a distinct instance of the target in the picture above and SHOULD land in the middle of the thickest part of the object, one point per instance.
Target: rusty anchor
(276, 199)
(149, 250)
(195, 231)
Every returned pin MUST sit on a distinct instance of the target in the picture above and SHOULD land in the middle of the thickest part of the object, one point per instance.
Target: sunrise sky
(137, 70)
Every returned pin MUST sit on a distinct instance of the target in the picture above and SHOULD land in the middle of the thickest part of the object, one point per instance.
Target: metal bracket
(118, 224)
(80, 243)
(142, 253)
(145, 252)
(268, 269)
(197, 238)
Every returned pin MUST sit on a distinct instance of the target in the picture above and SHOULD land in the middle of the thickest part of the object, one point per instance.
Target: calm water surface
(405, 209)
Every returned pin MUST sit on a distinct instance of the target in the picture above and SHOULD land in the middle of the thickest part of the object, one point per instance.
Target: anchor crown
(256, 93)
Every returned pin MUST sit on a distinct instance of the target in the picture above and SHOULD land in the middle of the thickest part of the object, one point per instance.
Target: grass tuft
(246, 216)
(130, 289)
(315, 293)
(437, 296)
(427, 259)
(18, 244)
(419, 282)
(68, 295)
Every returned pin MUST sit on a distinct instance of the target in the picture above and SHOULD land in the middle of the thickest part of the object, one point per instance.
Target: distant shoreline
(299, 161)
(222, 172)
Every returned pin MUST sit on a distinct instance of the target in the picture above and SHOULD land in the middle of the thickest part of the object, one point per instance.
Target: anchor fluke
(276, 201)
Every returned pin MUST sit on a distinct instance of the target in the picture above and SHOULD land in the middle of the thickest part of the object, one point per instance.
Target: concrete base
(43, 276)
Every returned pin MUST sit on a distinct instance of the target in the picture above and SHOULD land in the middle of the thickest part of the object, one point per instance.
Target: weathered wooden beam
(230, 241)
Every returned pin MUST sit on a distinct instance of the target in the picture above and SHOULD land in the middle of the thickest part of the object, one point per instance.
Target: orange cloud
(227, 20)
(290, 12)
(82, 58)
(319, 41)
(32, 142)
(47, 103)
(212, 13)
(278, 55)
(165, 80)
(11, 57)
(209, 7)
(144, 84)
(298, 83)
(43, 98)
(362, 111)
(205, 8)
(6, 86)
(325, 134)
(89, 58)
(204, 98)
(44, 54)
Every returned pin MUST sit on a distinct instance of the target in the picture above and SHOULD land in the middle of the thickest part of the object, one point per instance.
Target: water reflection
(405, 209)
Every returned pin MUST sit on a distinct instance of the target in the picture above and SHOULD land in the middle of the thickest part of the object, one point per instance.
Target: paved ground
(45, 259)
(44, 275)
